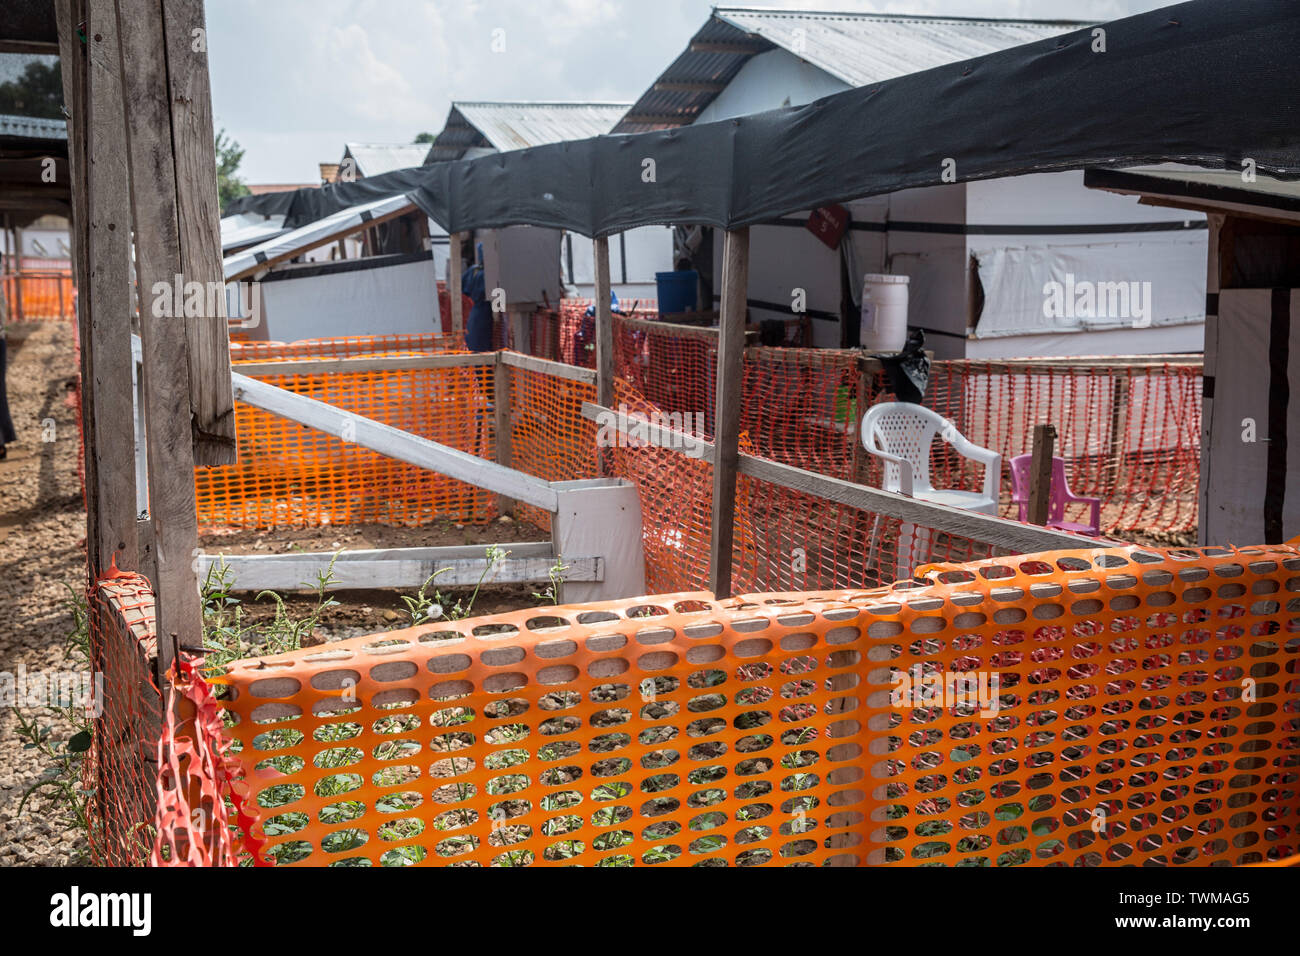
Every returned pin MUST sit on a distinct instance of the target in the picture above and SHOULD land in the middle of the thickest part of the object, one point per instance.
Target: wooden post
(726, 434)
(604, 343)
(604, 326)
(72, 56)
(454, 292)
(16, 243)
(1040, 473)
(504, 425)
(212, 403)
(1119, 395)
(166, 393)
(109, 306)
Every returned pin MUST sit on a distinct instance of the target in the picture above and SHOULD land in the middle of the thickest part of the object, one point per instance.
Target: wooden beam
(109, 294)
(689, 86)
(343, 366)
(531, 363)
(503, 426)
(170, 457)
(999, 532)
(454, 292)
(72, 56)
(1040, 473)
(604, 325)
(212, 406)
(394, 442)
(396, 568)
(734, 46)
(726, 417)
(656, 119)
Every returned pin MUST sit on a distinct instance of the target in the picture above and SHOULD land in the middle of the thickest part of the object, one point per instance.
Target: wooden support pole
(604, 343)
(604, 326)
(726, 429)
(1040, 473)
(72, 57)
(109, 306)
(19, 312)
(504, 425)
(454, 292)
(166, 392)
(212, 405)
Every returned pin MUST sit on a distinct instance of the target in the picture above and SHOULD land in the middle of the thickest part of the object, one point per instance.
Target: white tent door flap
(1247, 490)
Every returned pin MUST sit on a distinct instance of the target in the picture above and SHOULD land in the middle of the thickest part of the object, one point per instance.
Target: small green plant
(62, 782)
(556, 575)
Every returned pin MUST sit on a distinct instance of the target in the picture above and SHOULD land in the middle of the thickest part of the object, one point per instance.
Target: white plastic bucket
(884, 312)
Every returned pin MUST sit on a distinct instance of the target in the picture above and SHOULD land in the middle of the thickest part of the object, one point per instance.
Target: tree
(38, 92)
(229, 155)
(424, 138)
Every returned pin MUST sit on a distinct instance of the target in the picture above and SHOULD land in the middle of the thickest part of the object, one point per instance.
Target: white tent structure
(979, 254)
(375, 295)
(476, 128)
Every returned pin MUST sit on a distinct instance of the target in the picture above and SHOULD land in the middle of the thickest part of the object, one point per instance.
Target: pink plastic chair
(1059, 497)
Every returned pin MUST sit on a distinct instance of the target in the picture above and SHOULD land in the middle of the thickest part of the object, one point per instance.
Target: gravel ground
(42, 534)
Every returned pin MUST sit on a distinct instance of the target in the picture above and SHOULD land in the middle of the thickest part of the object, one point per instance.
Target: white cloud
(293, 80)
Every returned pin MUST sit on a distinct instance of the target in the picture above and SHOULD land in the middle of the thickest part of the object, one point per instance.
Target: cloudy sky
(292, 80)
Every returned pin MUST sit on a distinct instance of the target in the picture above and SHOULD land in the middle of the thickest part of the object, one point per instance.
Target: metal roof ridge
(720, 11)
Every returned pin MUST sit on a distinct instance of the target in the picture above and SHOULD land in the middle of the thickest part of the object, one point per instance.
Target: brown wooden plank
(1040, 473)
(169, 438)
(343, 366)
(212, 403)
(604, 325)
(504, 426)
(728, 396)
(454, 291)
(109, 260)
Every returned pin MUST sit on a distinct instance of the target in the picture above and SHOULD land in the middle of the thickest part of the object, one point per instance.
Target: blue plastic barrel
(677, 291)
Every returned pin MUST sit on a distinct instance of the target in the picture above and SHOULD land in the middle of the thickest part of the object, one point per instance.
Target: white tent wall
(381, 300)
(1235, 470)
(634, 258)
(769, 81)
(1015, 269)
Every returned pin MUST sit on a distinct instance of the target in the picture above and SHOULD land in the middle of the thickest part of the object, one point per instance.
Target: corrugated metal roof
(856, 48)
(31, 127)
(373, 159)
(505, 126)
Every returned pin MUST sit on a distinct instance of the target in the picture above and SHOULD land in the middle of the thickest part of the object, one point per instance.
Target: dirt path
(42, 530)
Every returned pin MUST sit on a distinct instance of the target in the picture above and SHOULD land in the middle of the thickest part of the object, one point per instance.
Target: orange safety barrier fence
(1110, 707)
(121, 768)
(1129, 433)
(42, 295)
(549, 438)
(784, 539)
(564, 334)
(289, 475)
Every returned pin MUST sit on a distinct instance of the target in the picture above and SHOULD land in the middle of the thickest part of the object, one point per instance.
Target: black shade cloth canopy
(1207, 83)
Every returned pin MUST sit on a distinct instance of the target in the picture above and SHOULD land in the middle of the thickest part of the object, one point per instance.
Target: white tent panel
(1015, 281)
(387, 300)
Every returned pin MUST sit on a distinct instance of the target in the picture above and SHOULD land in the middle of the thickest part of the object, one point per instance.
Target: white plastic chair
(901, 435)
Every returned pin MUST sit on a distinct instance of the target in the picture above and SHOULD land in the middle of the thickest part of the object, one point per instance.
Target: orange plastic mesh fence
(567, 334)
(289, 475)
(784, 539)
(197, 777)
(121, 767)
(549, 438)
(1129, 434)
(1069, 708)
(38, 295)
